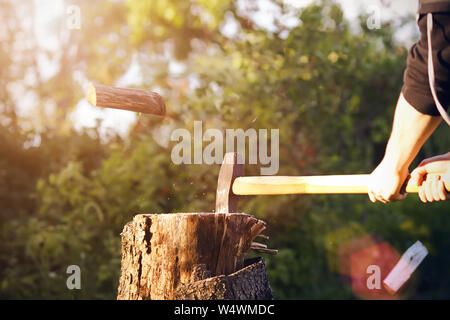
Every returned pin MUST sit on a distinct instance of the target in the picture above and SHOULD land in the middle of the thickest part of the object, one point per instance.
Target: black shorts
(416, 89)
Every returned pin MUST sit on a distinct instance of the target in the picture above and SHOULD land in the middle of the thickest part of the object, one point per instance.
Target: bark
(249, 283)
(136, 100)
(191, 256)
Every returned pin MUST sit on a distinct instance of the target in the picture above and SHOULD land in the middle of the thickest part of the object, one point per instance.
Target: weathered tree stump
(192, 256)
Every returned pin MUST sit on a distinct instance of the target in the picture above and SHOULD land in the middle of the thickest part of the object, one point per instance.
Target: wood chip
(258, 245)
(265, 250)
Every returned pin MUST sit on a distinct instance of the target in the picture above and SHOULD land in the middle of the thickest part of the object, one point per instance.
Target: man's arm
(416, 115)
(410, 130)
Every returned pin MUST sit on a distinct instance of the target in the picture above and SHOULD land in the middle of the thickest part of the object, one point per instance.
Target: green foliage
(178, 20)
(330, 91)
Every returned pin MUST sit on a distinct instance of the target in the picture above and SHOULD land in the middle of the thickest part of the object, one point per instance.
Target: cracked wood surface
(166, 256)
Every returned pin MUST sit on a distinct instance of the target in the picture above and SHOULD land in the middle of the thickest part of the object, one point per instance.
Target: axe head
(232, 167)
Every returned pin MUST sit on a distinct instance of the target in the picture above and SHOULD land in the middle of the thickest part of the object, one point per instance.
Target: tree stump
(192, 256)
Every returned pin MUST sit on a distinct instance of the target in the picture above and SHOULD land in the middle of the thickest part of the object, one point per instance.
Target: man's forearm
(410, 130)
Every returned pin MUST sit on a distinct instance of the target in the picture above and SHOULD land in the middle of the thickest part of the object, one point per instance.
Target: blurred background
(327, 74)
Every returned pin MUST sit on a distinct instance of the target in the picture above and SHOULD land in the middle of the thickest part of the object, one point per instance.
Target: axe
(232, 183)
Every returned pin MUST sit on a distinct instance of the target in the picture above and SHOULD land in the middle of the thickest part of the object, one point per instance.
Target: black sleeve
(416, 89)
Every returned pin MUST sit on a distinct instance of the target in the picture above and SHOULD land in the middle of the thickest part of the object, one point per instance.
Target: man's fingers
(385, 184)
(435, 190)
(371, 196)
(379, 197)
(441, 190)
(437, 165)
(375, 196)
(428, 190)
(427, 176)
(422, 195)
(418, 174)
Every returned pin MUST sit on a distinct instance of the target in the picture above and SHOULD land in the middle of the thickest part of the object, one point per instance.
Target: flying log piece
(136, 100)
(192, 256)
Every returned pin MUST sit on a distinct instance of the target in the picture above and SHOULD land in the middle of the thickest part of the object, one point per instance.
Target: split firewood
(262, 248)
(130, 99)
(166, 256)
(258, 245)
(265, 250)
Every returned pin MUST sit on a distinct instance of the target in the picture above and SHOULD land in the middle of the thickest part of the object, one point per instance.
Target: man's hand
(409, 132)
(386, 182)
(432, 188)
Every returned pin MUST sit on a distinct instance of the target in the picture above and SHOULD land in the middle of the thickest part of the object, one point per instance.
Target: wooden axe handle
(273, 185)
